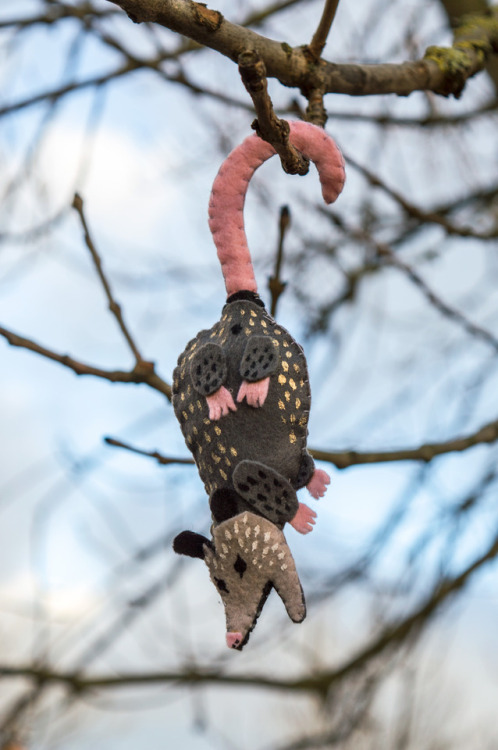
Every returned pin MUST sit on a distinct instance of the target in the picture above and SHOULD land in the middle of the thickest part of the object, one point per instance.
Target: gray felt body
(273, 435)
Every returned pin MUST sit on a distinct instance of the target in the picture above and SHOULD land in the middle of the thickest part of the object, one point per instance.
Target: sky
(71, 509)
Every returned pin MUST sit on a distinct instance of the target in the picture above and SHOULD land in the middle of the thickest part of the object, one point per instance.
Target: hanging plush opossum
(242, 397)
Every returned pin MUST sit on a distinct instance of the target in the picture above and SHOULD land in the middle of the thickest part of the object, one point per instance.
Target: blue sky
(72, 509)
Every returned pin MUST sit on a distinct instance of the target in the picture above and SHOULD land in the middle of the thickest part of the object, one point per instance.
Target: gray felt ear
(191, 544)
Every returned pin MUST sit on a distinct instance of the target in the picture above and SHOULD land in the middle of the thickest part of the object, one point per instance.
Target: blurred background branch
(107, 638)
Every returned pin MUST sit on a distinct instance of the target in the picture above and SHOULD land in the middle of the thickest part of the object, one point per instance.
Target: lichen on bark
(474, 41)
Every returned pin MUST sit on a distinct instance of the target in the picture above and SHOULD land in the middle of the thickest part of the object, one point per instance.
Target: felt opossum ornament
(242, 397)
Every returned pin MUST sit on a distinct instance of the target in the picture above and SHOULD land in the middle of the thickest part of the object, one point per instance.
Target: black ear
(191, 544)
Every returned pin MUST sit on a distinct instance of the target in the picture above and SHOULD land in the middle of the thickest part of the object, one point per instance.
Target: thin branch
(257, 17)
(142, 373)
(447, 310)
(385, 252)
(425, 452)
(430, 121)
(275, 284)
(55, 13)
(268, 126)
(55, 94)
(114, 306)
(320, 36)
(344, 459)
(129, 67)
(319, 682)
(427, 217)
(163, 460)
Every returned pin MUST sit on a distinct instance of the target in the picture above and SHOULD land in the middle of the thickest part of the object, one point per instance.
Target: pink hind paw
(304, 520)
(255, 393)
(317, 486)
(220, 403)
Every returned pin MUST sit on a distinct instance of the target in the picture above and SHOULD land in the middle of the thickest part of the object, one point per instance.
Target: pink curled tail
(226, 206)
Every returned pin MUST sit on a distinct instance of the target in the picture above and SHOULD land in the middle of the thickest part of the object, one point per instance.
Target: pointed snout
(234, 640)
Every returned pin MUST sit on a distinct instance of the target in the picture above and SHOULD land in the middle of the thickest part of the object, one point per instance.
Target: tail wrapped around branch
(226, 206)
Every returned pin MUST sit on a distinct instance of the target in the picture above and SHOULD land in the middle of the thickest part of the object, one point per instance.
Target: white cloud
(126, 192)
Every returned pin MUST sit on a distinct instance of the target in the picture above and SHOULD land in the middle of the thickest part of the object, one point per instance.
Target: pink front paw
(317, 486)
(304, 520)
(220, 403)
(255, 393)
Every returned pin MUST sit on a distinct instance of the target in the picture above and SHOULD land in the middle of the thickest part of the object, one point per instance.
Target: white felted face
(250, 557)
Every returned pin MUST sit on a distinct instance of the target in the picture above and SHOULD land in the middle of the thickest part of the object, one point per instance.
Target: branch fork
(268, 126)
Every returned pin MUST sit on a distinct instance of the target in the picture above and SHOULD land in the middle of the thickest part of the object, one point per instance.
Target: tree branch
(344, 459)
(320, 36)
(143, 372)
(55, 13)
(275, 284)
(114, 306)
(268, 126)
(318, 682)
(426, 217)
(385, 252)
(425, 453)
(442, 70)
(163, 460)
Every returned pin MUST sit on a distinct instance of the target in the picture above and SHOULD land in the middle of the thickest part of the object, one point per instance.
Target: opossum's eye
(240, 566)
(221, 585)
(236, 329)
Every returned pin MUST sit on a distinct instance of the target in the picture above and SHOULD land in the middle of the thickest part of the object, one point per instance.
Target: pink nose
(234, 639)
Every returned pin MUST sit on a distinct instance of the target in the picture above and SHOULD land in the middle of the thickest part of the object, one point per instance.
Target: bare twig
(318, 682)
(142, 373)
(268, 126)
(447, 310)
(430, 217)
(320, 36)
(276, 285)
(130, 66)
(430, 121)
(426, 452)
(114, 306)
(163, 460)
(52, 95)
(58, 12)
(344, 459)
(386, 253)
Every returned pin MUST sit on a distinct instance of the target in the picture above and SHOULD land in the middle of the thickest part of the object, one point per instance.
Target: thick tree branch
(457, 10)
(442, 70)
